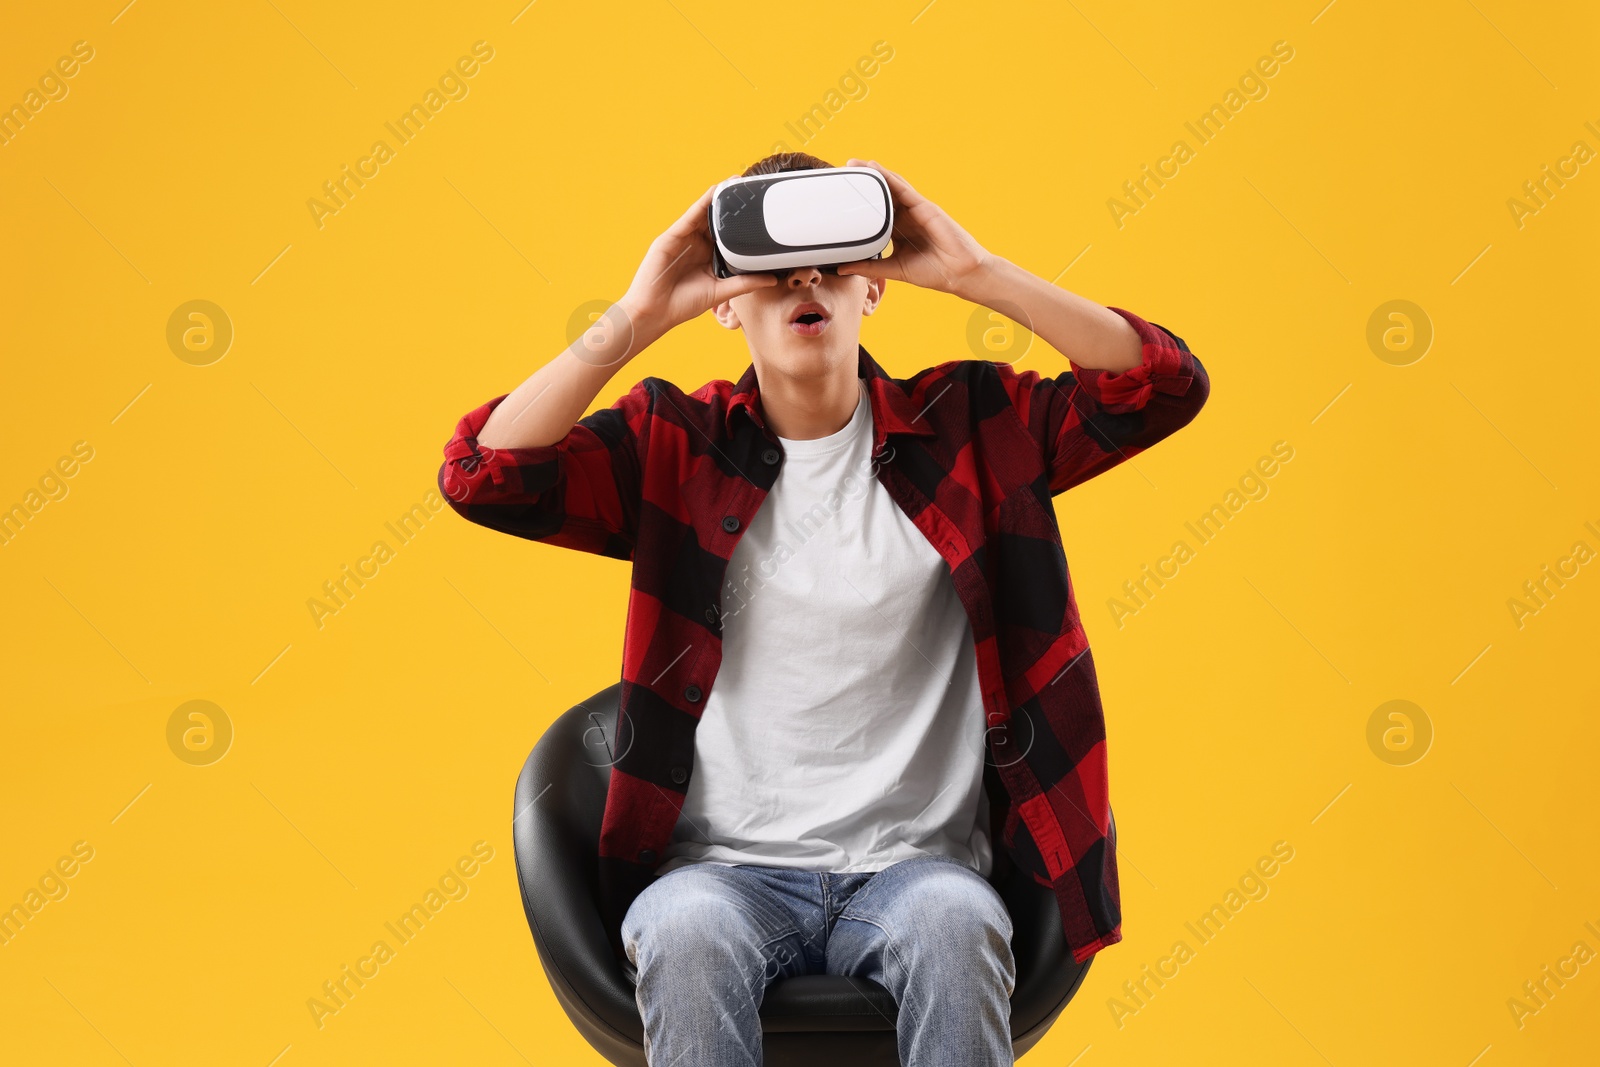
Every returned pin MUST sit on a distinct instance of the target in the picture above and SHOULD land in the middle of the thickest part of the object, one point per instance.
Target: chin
(807, 357)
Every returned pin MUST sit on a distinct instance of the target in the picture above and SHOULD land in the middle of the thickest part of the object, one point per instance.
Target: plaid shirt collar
(893, 411)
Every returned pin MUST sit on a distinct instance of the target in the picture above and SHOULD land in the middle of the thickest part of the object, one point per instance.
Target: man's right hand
(675, 283)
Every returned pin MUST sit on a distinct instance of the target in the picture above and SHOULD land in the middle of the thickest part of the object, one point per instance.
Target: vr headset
(805, 218)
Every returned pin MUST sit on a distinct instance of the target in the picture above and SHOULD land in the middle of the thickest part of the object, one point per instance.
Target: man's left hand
(930, 249)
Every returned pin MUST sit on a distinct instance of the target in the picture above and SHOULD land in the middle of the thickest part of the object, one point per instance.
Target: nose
(800, 276)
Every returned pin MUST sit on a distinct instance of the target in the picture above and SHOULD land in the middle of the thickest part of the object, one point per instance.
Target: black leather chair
(561, 795)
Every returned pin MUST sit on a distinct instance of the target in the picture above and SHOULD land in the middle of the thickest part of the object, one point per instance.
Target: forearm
(543, 409)
(1092, 336)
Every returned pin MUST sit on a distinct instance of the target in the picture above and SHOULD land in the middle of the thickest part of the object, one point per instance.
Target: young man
(849, 607)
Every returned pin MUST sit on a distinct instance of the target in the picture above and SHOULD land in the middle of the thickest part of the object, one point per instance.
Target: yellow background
(373, 752)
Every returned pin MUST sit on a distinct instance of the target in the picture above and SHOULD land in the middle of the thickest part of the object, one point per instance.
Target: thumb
(740, 284)
(873, 268)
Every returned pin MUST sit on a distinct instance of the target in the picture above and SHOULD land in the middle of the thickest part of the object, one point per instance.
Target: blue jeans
(707, 940)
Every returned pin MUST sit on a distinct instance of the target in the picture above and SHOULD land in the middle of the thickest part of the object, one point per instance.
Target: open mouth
(809, 320)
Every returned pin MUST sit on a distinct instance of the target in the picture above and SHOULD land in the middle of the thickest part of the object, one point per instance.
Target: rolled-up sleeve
(1088, 421)
(582, 492)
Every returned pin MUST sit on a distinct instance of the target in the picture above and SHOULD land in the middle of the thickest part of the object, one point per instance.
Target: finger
(908, 227)
(696, 219)
(908, 233)
(740, 284)
(900, 185)
(903, 193)
(688, 222)
(890, 268)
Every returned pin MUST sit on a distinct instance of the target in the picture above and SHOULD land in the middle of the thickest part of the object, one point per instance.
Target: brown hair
(780, 162)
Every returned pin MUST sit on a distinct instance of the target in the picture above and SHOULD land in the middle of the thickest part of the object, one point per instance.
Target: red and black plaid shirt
(972, 451)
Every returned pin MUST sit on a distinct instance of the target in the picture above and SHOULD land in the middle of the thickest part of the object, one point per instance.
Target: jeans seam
(894, 951)
(761, 950)
(827, 913)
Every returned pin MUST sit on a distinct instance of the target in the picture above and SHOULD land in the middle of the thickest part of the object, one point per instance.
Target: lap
(926, 891)
(711, 909)
(930, 908)
(927, 908)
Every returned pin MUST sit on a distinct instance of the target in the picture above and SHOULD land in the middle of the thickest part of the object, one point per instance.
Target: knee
(963, 917)
(688, 917)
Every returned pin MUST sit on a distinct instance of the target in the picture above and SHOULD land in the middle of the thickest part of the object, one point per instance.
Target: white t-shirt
(845, 729)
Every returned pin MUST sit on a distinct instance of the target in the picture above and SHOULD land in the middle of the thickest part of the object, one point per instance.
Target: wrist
(992, 278)
(641, 326)
(612, 340)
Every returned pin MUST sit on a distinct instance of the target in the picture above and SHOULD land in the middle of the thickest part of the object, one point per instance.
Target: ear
(875, 288)
(726, 315)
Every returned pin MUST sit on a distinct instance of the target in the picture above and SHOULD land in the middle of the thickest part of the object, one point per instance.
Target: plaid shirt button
(679, 775)
(692, 694)
(730, 523)
(770, 456)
